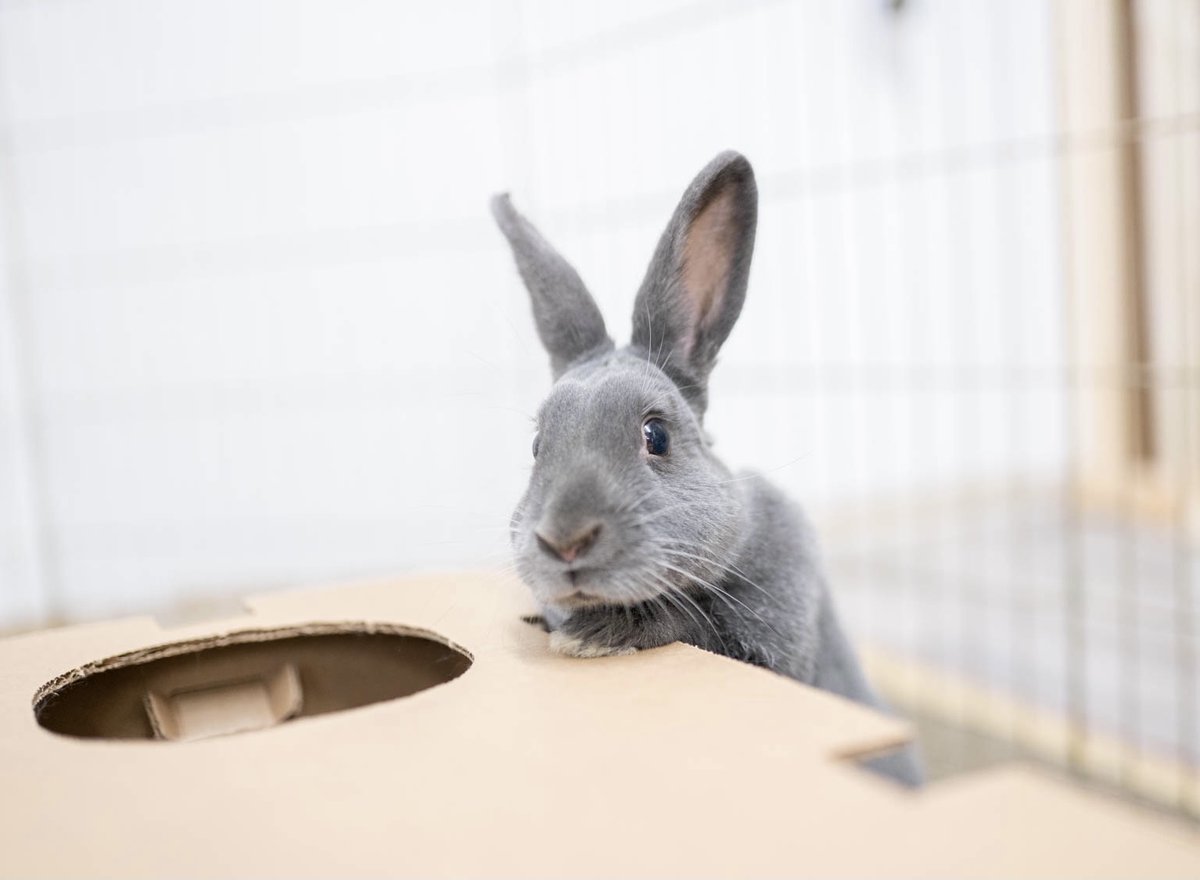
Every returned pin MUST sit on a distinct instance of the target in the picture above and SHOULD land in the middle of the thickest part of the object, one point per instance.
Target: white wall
(267, 333)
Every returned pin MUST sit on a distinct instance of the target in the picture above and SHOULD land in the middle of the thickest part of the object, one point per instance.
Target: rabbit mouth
(578, 599)
(579, 588)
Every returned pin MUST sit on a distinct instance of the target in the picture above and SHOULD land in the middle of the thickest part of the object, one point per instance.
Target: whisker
(673, 594)
(682, 594)
(755, 474)
(729, 568)
(718, 591)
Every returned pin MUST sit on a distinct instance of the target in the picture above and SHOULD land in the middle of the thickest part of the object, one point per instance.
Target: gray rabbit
(633, 534)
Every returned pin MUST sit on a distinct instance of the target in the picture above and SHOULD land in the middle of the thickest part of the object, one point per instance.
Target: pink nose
(572, 548)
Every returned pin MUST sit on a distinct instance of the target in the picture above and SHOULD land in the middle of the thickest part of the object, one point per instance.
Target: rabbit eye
(536, 437)
(658, 441)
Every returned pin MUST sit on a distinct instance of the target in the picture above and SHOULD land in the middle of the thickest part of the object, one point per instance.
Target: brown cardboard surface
(671, 762)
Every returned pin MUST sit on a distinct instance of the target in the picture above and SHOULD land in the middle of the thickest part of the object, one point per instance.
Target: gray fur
(568, 321)
(685, 550)
(663, 325)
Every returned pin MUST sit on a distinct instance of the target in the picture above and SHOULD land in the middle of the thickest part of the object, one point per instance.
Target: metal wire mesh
(1061, 616)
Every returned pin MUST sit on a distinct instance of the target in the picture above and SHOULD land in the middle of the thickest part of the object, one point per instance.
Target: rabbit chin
(568, 591)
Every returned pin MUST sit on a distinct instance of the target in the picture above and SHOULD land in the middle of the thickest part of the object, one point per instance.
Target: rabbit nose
(569, 549)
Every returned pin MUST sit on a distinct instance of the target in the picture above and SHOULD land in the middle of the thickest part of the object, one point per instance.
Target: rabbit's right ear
(568, 320)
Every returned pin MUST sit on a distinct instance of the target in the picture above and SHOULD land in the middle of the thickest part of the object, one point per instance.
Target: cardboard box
(420, 728)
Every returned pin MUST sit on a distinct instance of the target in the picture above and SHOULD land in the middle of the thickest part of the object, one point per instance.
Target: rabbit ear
(696, 283)
(568, 320)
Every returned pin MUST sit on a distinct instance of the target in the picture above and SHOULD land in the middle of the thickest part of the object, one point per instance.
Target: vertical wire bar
(1018, 552)
(872, 391)
(1135, 397)
(938, 562)
(853, 385)
(975, 605)
(903, 389)
(929, 592)
(1072, 556)
(511, 84)
(958, 385)
(797, 220)
(1188, 733)
(805, 122)
(780, 385)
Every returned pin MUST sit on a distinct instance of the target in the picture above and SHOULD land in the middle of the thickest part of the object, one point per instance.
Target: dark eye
(535, 444)
(658, 441)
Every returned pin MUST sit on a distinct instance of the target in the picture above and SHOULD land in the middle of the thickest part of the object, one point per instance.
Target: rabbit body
(632, 533)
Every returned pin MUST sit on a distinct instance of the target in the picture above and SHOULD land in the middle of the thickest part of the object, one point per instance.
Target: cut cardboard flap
(228, 707)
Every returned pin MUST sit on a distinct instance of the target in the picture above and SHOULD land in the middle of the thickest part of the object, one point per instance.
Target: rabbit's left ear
(694, 289)
(568, 320)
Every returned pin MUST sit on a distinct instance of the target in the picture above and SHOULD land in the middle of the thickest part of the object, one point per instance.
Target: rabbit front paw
(575, 646)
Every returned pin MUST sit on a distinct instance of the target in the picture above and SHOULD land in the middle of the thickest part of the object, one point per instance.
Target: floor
(1085, 617)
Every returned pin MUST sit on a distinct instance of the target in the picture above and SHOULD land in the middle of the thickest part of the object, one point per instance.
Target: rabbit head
(626, 501)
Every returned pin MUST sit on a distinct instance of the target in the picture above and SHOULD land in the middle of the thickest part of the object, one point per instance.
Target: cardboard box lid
(671, 762)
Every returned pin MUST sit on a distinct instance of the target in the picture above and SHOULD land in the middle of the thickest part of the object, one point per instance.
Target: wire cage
(241, 288)
(1053, 613)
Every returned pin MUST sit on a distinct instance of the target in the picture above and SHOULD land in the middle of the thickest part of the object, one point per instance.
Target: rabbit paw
(573, 646)
(536, 620)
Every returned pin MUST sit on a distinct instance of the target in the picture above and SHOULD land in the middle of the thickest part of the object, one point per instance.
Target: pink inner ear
(708, 249)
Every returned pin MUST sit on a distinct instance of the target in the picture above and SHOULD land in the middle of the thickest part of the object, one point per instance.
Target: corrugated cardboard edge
(54, 686)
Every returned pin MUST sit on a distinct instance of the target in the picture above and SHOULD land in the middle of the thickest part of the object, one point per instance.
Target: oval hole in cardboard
(248, 680)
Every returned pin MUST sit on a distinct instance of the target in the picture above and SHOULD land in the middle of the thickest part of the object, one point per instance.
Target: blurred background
(257, 329)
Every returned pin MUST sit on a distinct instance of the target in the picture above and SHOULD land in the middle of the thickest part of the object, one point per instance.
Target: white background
(257, 328)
